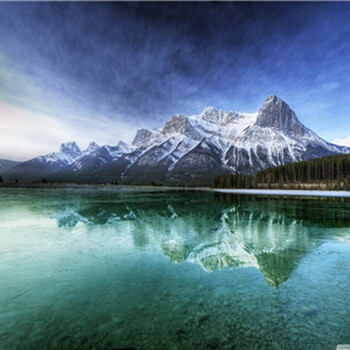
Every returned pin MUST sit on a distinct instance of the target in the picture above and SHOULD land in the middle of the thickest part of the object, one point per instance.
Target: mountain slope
(6, 164)
(189, 150)
(41, 166)
(219, 141)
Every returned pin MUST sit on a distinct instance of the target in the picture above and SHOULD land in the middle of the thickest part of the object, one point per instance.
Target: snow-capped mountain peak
(70, 148)
(69, 153)
(192, 149)
(209, 114)
(177, 124)
(125, 147)
(93, 146)
(272, 99)
(275, 113)
(142, 137)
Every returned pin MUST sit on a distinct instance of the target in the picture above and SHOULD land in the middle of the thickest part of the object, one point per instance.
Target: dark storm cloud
(145, 61)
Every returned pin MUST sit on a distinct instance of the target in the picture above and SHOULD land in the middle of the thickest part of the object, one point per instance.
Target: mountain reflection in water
(230, 232)
(111, 267)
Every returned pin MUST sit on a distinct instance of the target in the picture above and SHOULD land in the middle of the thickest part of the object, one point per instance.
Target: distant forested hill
(332, 172)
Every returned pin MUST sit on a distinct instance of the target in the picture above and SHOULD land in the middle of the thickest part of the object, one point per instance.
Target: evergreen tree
(334, 171)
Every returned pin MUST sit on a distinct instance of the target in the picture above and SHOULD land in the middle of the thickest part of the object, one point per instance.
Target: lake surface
(99, 268)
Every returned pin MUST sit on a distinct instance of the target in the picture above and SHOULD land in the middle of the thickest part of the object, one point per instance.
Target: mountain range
(186, 150)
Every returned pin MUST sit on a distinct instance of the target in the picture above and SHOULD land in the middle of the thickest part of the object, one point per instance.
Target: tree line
(331, 171)
(233, 181)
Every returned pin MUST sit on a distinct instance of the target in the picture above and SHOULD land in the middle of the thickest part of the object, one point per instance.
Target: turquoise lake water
(109, 268)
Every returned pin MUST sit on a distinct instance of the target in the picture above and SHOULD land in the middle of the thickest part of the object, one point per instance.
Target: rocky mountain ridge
(188, 150)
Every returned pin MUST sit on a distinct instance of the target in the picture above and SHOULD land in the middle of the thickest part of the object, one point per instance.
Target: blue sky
(99, 71)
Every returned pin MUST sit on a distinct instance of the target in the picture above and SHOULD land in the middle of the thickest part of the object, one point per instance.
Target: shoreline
(98, 186)
(307, 193)
(269, 192)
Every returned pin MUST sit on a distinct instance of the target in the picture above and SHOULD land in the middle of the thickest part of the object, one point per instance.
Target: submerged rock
(309, 310)
(275, 346)
(117, 321)
(201, 317)
(213, 341)
(226, 347)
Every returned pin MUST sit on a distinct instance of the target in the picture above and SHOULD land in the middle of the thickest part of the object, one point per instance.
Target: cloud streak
(25, 135)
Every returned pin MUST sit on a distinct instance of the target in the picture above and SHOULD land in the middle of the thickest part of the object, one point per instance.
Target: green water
(108, 268)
